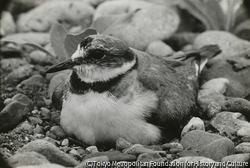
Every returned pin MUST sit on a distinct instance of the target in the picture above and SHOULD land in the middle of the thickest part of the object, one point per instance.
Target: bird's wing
(176, 93)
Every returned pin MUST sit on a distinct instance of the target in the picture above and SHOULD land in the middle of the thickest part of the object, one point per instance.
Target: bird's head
(99, 58)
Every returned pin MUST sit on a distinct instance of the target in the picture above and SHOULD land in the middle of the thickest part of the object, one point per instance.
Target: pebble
(70, 13)
(159, 48)
(113, 156)
(25, 127)
(41, 58)
(45, 113)
(122, 144)
(65, 142)
(243, 147)
(197, 139)
(14, 112)
(245, 157)
(75, 153)
(27, 158)
(228, 122)
(215, 86)
(194, 124)
(35, 80)
(212, 109)
(55, 116)
(150, 157)
(225, 146)
(244, 132)
(173, 147)
(35, 120)
(161, 21)
(20, 73)
(92, 149)
(38, 130)
(51, 152)
(10, 64)
(138, 149)
(58, 132)
(186, 153)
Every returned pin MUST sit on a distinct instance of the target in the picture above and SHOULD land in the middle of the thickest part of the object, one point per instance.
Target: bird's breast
(100, 117)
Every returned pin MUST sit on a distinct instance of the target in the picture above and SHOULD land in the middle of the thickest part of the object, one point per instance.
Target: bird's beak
(67, 64)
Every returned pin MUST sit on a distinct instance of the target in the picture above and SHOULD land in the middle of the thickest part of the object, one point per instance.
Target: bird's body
(118, 92)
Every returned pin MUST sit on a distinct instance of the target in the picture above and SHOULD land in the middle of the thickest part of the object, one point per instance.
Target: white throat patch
(93, 73)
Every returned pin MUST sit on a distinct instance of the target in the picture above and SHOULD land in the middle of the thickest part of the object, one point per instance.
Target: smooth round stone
(159, 48)
(243, 147)
(194, 124)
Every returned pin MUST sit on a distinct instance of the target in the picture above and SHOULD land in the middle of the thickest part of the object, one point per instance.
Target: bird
(115, 91)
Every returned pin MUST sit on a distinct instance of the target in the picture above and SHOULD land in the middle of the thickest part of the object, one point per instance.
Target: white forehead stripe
(79, 53)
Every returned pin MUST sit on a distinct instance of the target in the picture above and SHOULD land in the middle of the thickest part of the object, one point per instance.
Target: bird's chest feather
(98, 117)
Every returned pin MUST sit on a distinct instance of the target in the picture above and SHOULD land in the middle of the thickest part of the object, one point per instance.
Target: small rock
(51, 152)
(35, 80)
(244, 132)
(20, 73)
(38, 130)
(24, 127)
(36, 120)
(92, 149)
(7, 23)
(194, 124)
(89, 162)
(243, 147)
(150, 157)
(229, 123)
(55, 116)
(113, 156)
(225, 146)
(212, 109)
(138, 149)
(197, 139)
(216, 86)
(10, 64)
(159, 48)
(65, 142)
(58, 132)
(38, 136)
(75, 153)
(41, 58)
(150, 17)
(70, 13)
(122, 144)
(237, 158)
(45, 113)
(186, 153)
(27, 158)
(14, 112)
(173, 147)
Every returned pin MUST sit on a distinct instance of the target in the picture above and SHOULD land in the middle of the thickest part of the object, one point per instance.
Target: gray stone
(122, 144)
(58, 132)
(237, 158)
(173, 147)
(65, 142)
(45, 113)
(92, 149)
(113, 156)
(70, 13)
(198, 139)
(10, 64)
(38, 130)
(41, 58)
(161, 21)
(51, 152)
(7, 23)
(186, 153)
(244, 132)
(194, 124)
(228, 43)
(27, 158)
(138, 149)
(216, 86)
(243, 147)
(218, 149)
(35, 80)
(14, 112)
(20, 73)
(159, 48)
(25, 127)
(35, 120)
(147, 157)
(227, 122)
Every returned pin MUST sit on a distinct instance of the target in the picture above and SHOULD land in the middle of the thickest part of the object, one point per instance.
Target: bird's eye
(97, 54)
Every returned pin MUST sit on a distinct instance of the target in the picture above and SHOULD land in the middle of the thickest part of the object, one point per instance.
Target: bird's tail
(199, 56)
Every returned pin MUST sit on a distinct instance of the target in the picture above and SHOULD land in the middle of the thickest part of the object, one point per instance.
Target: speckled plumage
(115, 91)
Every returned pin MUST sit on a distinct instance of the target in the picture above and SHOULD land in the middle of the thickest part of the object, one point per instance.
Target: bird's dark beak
(67, 64)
